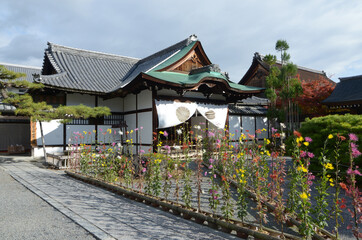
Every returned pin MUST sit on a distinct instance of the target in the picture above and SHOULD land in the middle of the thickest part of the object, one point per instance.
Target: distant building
(259, 70)
(347, 96)
(15, 130)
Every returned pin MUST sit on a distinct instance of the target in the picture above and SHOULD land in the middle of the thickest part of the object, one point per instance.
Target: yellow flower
(162, 132)
(262, 153)
(330, 136)
(302, 168)
(331, 179)
(85, 132)
(303, 196)
(234, 176)
(264, 130)
(329, 166)
(131, 131)
(267, 141)
(109, 130)
(300, 139)
(268, 153)
(332, 185)
(306, 143)
(94, 131)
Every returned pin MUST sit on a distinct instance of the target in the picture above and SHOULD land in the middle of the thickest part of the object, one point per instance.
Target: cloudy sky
(322, 34)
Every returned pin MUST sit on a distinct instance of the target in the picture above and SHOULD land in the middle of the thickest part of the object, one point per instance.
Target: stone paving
(104, 214)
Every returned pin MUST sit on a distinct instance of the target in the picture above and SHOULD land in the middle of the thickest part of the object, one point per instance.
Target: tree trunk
(42, 140)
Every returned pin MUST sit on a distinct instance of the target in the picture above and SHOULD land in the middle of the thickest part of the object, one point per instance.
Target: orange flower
(297, 134)
(343, 186)
(223, 178)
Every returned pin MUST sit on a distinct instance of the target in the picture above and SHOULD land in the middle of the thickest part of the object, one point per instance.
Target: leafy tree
(282, 85)
(314, 92)
(41, 111)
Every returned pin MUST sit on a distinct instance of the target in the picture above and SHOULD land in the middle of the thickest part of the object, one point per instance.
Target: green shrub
(320, 127)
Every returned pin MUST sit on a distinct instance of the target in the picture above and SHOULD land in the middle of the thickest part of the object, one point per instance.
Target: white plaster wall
(115, 104)
(53, 132)
(71, 129)
(38, 151)
(76, 99)
(262, 122)
(144, 99)
(235, 127)
(248, 123)
(130, 103)
(145, 121)
(130, 121)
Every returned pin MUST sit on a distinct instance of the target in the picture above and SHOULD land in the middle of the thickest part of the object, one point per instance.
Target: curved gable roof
(84, 70)
(348, 90)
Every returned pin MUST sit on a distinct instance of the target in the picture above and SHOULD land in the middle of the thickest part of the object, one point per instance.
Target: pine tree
(282, 86)
(40, 111)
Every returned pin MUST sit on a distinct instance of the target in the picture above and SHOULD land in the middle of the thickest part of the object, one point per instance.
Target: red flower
(297, 134)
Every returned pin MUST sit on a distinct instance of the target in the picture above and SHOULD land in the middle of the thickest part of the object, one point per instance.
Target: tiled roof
(29, 71)
(348, 90)
(83, 70)
(87, 71)
(305, 74)
(156, 60)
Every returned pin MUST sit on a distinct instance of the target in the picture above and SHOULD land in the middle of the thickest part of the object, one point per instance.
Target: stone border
(203, 217)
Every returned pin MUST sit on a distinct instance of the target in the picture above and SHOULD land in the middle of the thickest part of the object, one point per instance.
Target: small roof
(347, 91)
(28, 70)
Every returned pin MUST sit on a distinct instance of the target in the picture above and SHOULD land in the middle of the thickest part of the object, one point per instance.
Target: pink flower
(355, 152)
(303, 154)
(113, 144)
(211, 160)
(214, 175)
(165, 134)
(353, 137)
(142, 151)
(169, 175)
(210, 134)
(136, 129)
(310, 155)
(274, 130)
(210, 167)
(308, 139)
(205, 174)
(144, 170)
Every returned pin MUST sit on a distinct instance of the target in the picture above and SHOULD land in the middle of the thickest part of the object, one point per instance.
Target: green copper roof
(186, 79)
(175, 57)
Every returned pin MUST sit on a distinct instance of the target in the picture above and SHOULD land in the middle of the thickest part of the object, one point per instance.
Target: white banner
(171, 113)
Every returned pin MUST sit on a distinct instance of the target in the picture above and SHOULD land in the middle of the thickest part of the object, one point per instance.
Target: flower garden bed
(218, 195)
(202, 217)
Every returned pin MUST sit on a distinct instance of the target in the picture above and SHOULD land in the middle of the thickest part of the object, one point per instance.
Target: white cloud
(324, 35)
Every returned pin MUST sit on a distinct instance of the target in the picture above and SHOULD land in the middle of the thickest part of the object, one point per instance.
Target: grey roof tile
(29, 71)
(99, 72)
(347, 90)
(85, 70)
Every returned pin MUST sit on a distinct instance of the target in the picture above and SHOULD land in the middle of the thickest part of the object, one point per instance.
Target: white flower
(282, 125)
(120, 132)
(197, 127)
(119, 144)
(179, 131)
